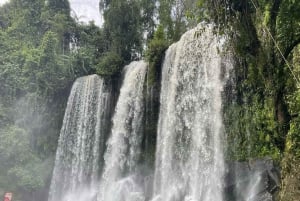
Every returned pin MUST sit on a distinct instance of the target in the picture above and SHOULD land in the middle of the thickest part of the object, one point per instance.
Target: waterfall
(95, 163)
(120, 179)
(82, 139)
(189, 156)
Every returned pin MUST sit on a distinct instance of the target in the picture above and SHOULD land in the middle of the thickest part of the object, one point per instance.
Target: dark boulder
(254, 180)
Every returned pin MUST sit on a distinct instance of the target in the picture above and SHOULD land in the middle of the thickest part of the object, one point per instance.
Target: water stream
(120, 180)
(81, 142)
(189, 158)
(95, 163)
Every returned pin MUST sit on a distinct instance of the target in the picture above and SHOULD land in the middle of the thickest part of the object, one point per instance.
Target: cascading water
(120, 180)
(189, 157)
(81, 142)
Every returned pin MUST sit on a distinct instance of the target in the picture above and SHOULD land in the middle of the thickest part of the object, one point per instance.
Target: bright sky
(86, 10)
(3, 1)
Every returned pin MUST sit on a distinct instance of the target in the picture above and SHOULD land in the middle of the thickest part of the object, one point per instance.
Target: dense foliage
(262, 118)
(42, 51)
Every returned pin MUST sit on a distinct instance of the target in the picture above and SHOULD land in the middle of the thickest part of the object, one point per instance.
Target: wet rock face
(255, 180)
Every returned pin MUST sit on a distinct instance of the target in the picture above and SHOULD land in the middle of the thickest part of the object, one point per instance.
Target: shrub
(109, 64)
(155, 54)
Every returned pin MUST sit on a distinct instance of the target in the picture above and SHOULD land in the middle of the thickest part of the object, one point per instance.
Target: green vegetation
(43, 50)
(109, 64)
(33, 79)
(262, 119)
(155, 54)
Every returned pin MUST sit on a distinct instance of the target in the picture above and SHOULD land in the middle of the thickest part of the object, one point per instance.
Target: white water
(189, 158)
(81, 141)
(120, 180)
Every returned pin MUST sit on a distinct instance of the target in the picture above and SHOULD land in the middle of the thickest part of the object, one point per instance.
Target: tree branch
(275, 9)
(289, 49)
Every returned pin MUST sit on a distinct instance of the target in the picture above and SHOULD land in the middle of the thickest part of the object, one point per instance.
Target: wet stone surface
(255, 180)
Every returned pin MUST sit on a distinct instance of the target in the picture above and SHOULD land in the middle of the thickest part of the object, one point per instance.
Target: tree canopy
(43, 50)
